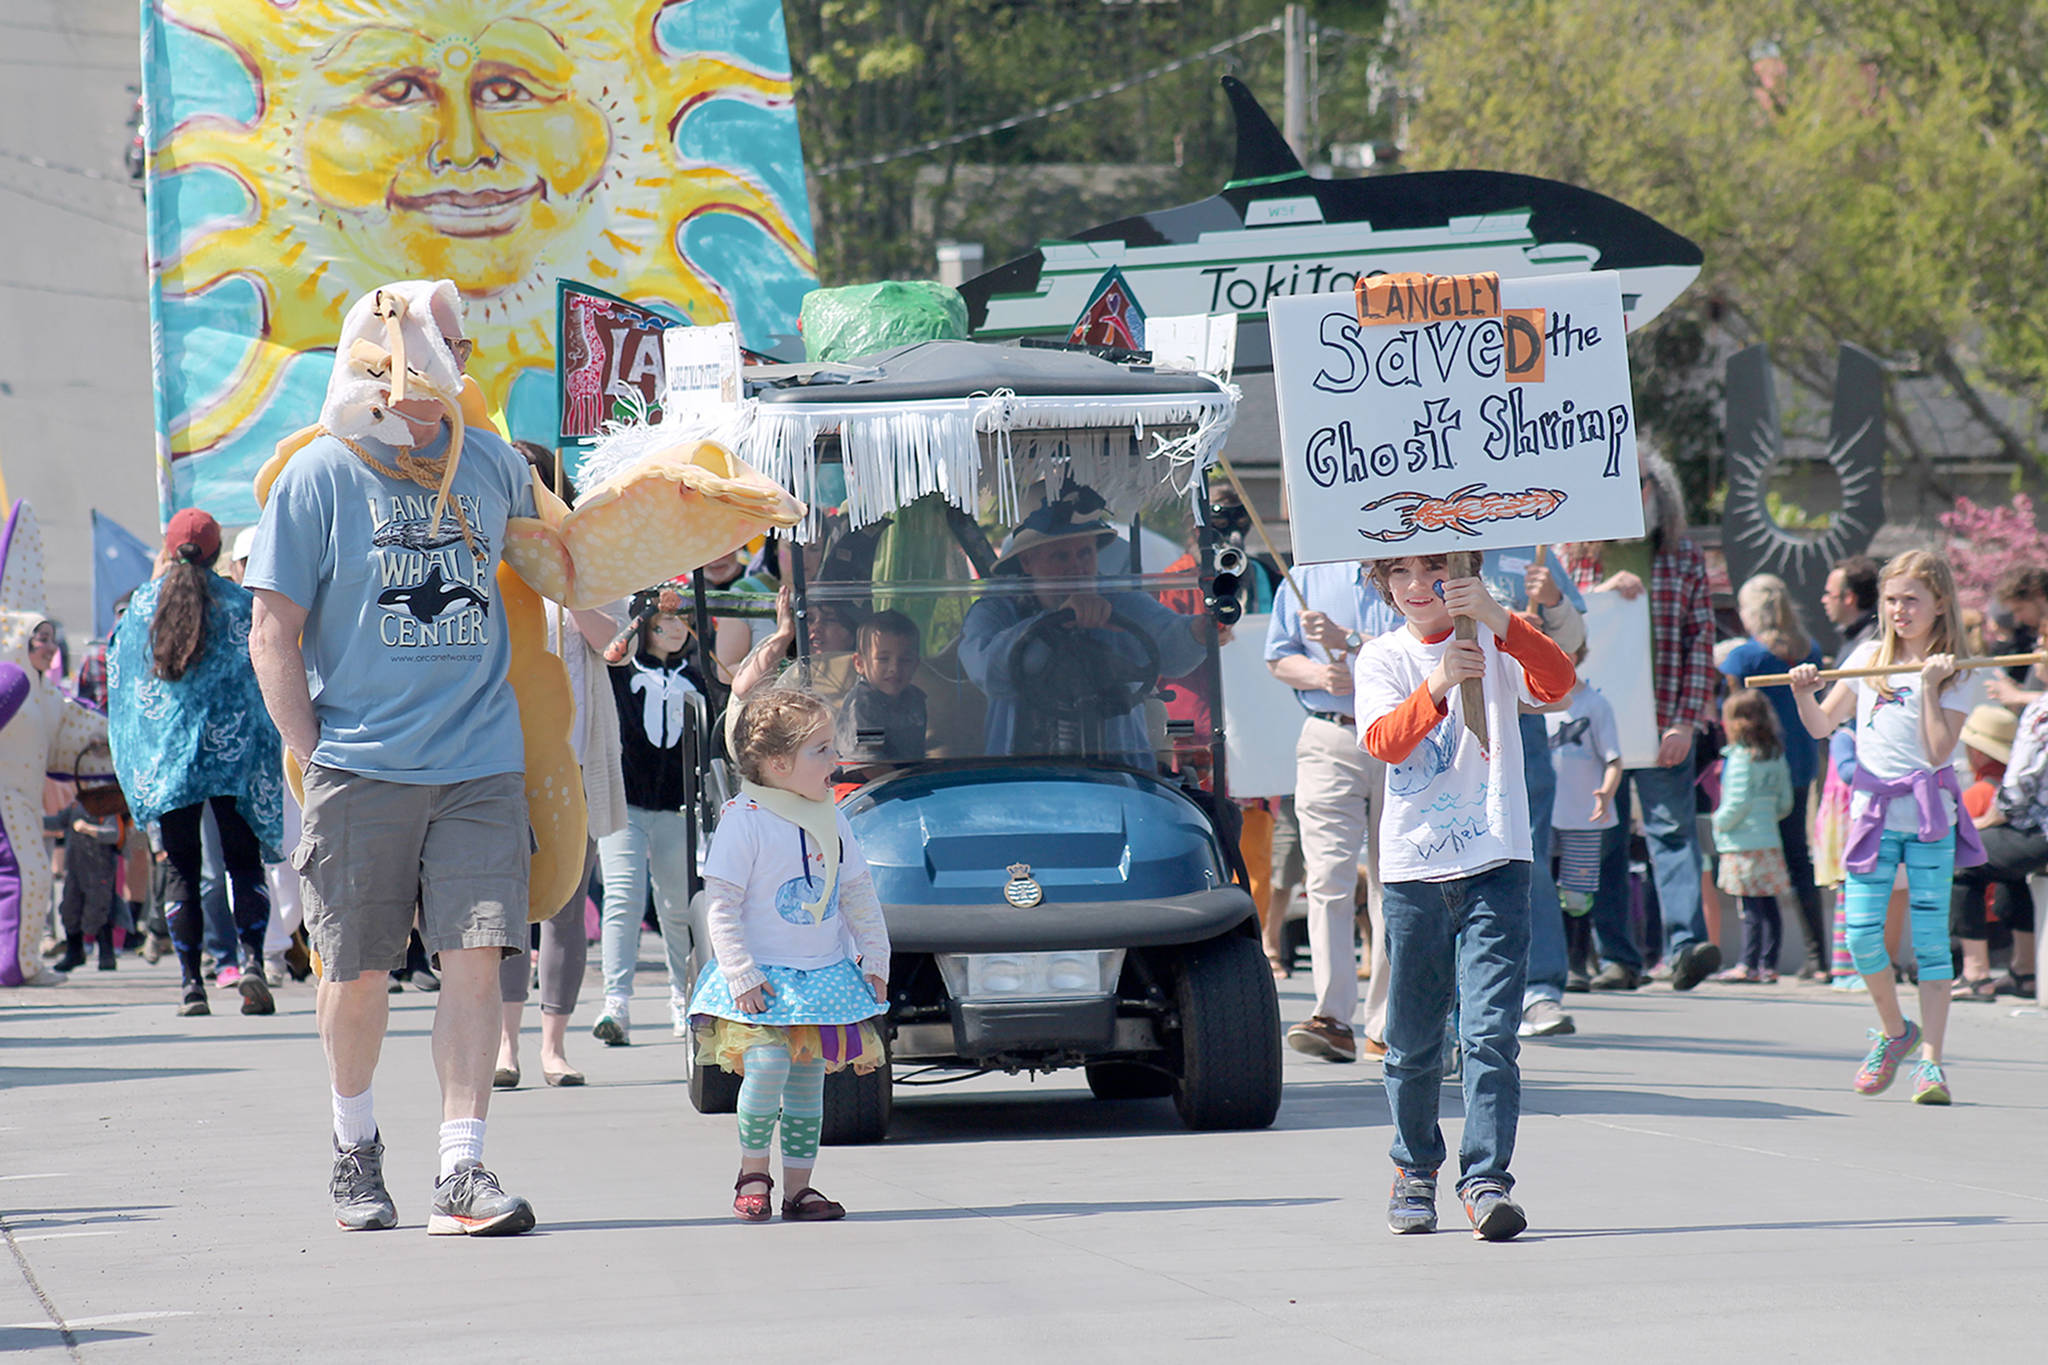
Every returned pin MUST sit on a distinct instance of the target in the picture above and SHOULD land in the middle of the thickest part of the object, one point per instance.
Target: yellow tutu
(724, 1043)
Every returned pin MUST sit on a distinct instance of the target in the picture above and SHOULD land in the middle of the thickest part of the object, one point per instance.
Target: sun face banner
(304, 151)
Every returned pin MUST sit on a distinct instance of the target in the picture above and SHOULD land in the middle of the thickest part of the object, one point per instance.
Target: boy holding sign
(1455, 860)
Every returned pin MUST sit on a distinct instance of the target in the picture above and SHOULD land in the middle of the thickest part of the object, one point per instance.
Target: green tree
(876, 76)
(1861, 172)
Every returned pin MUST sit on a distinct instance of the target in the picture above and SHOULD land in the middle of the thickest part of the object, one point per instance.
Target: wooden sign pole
(1471, 692)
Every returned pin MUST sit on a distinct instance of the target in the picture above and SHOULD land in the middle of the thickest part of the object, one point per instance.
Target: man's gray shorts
(372, 851)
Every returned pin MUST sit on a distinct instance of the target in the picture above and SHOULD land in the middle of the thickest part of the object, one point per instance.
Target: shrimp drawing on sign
(1462, 511)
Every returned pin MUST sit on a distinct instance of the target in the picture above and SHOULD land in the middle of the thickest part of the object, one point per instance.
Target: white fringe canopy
(896, 453)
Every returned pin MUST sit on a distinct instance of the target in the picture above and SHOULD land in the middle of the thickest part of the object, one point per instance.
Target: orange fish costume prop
(665, 516)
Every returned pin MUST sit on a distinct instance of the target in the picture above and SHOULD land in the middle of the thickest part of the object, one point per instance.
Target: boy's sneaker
(613, 1028)
(1411, 1204)
(1321, 1036)
(361, 1203)
(1882, 1065)
(1930, 1086)
(1545, 1018)
(1495, 1217)
(469, 1203)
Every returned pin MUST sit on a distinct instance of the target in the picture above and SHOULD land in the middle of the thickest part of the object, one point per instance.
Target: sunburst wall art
(1750, 536)
(303, 151)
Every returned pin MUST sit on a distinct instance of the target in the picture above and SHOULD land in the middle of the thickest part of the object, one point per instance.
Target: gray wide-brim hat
(1054, 522)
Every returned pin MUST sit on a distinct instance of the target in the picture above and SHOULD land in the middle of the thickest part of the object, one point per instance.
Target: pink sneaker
(228, 976)
(1882, 1065)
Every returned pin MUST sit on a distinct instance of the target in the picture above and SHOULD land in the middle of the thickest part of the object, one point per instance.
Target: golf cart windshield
(927, 657)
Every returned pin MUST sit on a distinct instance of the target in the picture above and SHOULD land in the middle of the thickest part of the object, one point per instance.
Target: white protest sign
(1618, 666)
(701, 366)
(1427, 414)
(1261, 719)
(1202, 342)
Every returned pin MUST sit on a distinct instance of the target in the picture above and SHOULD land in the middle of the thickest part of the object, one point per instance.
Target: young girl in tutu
(801, 954)
(1906, 805)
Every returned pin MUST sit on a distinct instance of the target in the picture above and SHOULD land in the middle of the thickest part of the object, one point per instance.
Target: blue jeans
(1671, 829)
(1464, 941)
(651, 841)
(1930, 873)
(1547, 963)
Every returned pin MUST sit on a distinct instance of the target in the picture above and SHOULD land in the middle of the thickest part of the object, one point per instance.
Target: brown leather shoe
(1324, 1037)
(808, 1206)
(1372, 1047)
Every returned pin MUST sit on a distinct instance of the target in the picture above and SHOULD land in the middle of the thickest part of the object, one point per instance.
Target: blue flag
(121, 563)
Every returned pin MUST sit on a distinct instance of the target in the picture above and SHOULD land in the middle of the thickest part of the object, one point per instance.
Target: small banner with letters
(1428, 414)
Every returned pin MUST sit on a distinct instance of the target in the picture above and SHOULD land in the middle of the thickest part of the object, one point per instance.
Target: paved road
(1700, 1179)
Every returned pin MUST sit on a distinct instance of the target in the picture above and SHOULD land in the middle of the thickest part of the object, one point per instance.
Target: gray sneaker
(469, 1203)
(361, 1203)
(1411, 1204)
(1545, 1018)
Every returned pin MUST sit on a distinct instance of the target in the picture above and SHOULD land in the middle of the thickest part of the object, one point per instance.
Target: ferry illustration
(1274, 230)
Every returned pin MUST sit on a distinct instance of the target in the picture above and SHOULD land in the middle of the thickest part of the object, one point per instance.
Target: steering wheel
(1073, 676)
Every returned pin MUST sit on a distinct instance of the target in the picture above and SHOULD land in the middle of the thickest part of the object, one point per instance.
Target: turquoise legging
(1930, 868)
(776, 1087)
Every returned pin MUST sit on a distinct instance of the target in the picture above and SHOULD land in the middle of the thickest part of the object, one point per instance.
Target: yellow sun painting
(502, 144)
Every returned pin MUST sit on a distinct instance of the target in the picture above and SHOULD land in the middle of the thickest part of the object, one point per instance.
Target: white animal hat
(394, 339)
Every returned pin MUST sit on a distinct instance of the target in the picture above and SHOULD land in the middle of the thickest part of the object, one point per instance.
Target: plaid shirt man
(1681, 628)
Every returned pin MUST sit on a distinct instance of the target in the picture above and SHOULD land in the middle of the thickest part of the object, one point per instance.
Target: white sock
(355, 1123)
(461, 1140)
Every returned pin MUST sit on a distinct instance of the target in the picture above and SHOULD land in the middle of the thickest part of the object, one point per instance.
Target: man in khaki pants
(1337, 787)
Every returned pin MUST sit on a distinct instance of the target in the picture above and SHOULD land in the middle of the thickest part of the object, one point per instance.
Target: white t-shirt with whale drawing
(780, 870)
(1452, 809)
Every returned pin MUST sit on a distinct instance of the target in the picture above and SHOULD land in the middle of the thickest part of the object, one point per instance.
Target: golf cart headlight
(1032, 976)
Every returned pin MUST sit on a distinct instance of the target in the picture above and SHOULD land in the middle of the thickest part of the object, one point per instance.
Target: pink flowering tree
(1983, 542)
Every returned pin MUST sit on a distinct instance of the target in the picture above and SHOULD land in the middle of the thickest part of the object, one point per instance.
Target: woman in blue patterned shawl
(189, 728)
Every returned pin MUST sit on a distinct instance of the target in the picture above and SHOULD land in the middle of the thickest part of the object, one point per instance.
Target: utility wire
(130, 34)
(42, 163)
(73, 293)
(1059, 107)
(93, 215)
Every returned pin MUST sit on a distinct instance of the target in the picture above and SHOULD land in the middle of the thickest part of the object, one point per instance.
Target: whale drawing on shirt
(432, 596)
(1430, 760)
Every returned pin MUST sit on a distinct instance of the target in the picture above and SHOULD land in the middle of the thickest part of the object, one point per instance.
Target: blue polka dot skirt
(816, 1015)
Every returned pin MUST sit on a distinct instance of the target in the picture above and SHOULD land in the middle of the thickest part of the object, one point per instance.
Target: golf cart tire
(1229, 1036)
(857, 1107)
(1128, 1081)
(713, 1089)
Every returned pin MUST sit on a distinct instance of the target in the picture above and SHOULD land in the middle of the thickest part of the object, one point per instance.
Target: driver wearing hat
(1005, 645)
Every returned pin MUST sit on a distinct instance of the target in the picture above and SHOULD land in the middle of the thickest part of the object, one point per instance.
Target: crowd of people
(1793, 798)
(329, 770)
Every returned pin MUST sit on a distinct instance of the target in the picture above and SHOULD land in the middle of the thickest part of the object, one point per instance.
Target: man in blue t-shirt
(381, 649)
